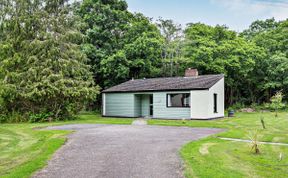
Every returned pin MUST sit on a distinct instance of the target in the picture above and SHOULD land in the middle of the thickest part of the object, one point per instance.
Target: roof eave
(140, 91)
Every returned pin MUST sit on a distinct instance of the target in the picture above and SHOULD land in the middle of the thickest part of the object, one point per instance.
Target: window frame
(167, 97)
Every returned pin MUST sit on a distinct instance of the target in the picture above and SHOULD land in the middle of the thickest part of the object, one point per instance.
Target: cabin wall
(202, 102)
(218, 89)
(199, 104)
(121, 105)
(161, 111)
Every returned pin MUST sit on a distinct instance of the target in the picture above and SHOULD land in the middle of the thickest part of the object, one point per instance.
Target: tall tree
(119, 44)
(218, 50)
(104, 24)
(171, 50)
(271, 69)
(259, 26)
(140, 55)
(42, 68)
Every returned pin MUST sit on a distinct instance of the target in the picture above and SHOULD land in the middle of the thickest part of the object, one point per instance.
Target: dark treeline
(56, 56)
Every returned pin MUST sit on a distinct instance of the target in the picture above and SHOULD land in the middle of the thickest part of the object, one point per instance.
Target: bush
(276, 104)
(237, 106)
(13, 117)
(257, 107)
(254, 137)
(41, 117)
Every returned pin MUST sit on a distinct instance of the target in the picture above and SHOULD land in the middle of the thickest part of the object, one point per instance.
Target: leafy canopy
(42, 68)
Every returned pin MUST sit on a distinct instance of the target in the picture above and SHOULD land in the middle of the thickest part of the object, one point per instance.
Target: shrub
(253, 136)
(236, 106)
(276, 102)
(13, 117)
(41, 117)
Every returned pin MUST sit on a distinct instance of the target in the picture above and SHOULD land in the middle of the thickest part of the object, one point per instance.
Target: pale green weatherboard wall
(120, 104)
(137, 105)
(162, 111)
(126, 105)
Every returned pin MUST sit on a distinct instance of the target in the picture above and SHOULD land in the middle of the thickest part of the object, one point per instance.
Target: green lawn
(213, 157)
(23, 149)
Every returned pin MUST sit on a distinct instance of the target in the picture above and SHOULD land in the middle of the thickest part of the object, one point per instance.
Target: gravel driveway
(121, 151)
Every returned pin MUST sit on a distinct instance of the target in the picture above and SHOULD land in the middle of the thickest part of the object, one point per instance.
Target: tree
(118, 43)
(42, 68)
(140, 55)
(172, 47)
(214, 50)
(270, 72)
(259, 26)
(276, 102)
(104, 24)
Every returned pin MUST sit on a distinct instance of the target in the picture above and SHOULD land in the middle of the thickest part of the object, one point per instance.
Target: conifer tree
(42, 68)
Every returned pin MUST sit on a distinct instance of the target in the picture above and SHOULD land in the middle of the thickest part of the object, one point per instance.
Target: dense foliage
(42, 68)
(52, 54)
(271, 71)
(214, 50)
(255, 62)
(120, 45)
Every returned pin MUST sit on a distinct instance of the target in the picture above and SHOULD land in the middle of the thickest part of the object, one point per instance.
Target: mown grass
(240, 125)
(213, 157)
(233, 159)
(24, 149)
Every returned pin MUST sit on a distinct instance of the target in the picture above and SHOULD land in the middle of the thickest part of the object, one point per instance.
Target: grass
(240, 125)
(23, 150)
(213, 157)
(232, 159)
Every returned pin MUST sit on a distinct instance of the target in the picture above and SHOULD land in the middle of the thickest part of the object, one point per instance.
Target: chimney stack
(191, 72)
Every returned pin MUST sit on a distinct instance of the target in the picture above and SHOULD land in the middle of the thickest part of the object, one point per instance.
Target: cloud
(258, 8)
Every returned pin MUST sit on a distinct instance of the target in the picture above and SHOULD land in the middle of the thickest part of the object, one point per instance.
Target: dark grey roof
(167, 84)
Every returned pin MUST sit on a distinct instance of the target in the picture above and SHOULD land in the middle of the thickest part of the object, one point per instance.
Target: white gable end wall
(202, 102)
(218, 89)
(199, 108)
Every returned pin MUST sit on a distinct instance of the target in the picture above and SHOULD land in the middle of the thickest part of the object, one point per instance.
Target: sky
(236, 14)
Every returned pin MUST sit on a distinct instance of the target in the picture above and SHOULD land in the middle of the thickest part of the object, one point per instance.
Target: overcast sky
(236, 14)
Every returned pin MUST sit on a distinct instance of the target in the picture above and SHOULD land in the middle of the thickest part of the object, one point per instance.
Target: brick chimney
(191, 72)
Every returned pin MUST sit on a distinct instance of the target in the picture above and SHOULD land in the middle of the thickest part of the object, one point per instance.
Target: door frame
(151, 111)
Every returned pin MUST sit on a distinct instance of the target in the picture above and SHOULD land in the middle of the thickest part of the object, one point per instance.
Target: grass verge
(213, 157)
(23, 149)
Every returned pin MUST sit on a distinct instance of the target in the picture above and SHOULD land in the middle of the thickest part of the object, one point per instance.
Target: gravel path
(121, 151)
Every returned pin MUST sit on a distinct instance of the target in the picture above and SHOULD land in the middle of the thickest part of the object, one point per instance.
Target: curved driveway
(121, 151)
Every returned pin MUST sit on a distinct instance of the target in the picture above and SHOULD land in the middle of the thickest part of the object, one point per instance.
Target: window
(215, 102)
(178, 100)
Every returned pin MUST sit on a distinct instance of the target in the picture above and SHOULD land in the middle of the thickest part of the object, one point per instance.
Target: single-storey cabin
(191, 97)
